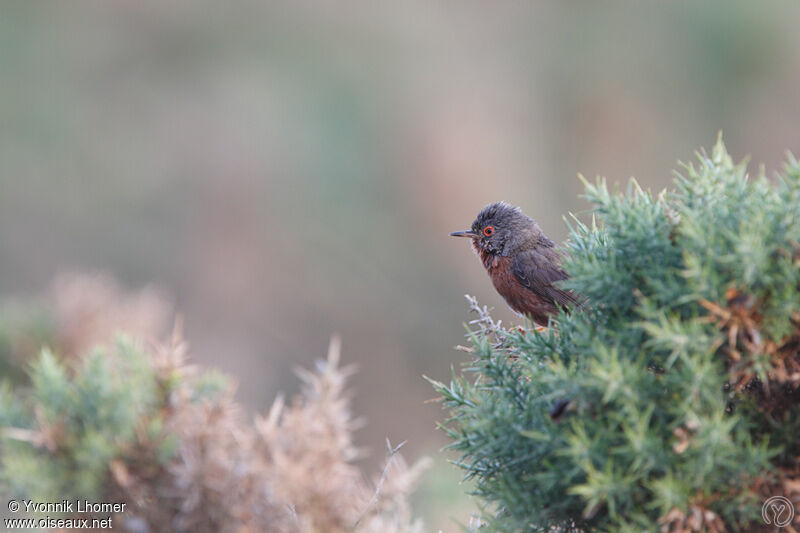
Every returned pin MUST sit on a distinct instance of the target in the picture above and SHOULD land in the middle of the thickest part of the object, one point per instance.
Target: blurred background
(278, 173)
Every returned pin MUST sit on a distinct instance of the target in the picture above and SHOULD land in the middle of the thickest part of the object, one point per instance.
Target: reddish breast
(518, 297)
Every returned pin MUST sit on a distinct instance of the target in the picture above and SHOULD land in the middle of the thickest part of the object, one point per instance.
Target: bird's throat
(488, 258)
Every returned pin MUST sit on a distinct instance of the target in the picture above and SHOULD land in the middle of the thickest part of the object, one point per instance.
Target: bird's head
(499, 228)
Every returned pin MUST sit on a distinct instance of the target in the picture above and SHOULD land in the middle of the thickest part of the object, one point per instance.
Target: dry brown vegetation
(202, 465)
(291, 470)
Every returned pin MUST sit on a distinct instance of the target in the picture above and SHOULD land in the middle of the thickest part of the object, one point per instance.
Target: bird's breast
(519, 298)
(503, 278)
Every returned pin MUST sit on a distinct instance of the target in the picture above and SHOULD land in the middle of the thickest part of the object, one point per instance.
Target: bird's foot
(538, 329)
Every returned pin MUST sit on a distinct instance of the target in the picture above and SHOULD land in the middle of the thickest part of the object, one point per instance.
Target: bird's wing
(538, 270)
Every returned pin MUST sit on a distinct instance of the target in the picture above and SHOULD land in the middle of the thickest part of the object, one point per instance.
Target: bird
(522, 262)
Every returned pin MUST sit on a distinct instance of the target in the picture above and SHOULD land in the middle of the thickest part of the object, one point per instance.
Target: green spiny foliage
(61, 436)
(672, 390)
(65, 432)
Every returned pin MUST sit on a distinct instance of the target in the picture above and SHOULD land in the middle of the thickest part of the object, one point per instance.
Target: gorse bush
(134, 423)
(669, 400)
(93, 415)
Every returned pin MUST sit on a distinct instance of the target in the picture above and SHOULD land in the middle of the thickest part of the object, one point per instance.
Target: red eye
(488, 231)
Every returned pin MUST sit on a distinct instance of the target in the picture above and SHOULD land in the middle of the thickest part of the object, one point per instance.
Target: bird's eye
(488, 231)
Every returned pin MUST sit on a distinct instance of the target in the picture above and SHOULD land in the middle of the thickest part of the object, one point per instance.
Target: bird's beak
(466, 233)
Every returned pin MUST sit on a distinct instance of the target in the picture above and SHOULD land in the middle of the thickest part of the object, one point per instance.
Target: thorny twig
(486, 325)
(34, 438)
(390, 456)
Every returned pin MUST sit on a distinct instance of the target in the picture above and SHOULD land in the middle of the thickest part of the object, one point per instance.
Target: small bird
(522, 262)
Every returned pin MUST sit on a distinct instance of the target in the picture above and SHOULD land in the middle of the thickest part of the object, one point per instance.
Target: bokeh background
(282, 172)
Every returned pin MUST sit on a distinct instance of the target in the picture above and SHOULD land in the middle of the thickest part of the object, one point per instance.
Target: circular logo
(777, 511)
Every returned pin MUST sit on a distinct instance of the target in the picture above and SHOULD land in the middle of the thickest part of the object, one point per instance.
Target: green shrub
(669, 399)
